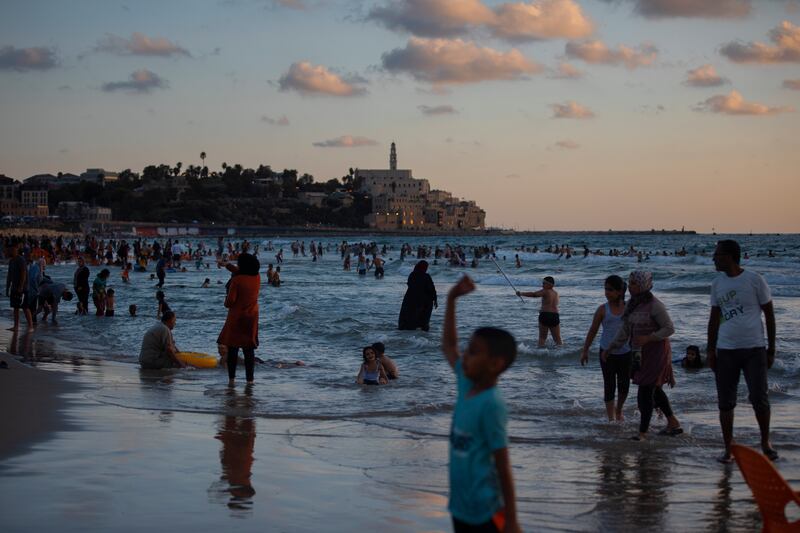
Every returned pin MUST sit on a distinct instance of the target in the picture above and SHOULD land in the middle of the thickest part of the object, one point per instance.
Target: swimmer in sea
(206, 284)
(549, 320)
(389, 367)
(371, 371)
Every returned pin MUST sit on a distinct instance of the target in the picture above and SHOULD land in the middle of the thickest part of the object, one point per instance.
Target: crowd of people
(634, 338)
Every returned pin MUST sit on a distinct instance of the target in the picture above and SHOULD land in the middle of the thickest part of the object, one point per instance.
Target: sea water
(571, 465)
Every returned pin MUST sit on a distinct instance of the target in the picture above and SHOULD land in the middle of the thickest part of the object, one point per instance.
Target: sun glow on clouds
(786, 47)
(454, 61)
(309, 79)
(140, 45)
(346, 141)
(22, 59)
(705, 76)
(518, 21)
(693, 8)
(571, 110)
(596, 52)
(734, 104)
(140, 81)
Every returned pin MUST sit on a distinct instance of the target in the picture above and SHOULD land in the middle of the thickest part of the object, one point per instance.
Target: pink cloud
(140, 45)
(542, 19)
(571, 110)
(785, 47)
(309, 79)
(21, 59)
(596, 52)
(453, 61)
(566, 71)
(791, 84)
(346, 141)
(140, 81)
(705, 76)
(567, 144)
(432, 18)
(280, 121)
(437, 110)
(733, 104)
(514, 21)
(694, 8)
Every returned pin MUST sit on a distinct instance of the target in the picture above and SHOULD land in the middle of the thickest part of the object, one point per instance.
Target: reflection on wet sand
(238, 437)
(723, 515)
(633, 481)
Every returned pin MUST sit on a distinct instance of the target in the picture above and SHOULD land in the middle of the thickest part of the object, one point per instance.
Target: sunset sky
(551, 114)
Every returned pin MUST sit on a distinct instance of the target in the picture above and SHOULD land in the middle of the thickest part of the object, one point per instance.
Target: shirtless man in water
(548, 314)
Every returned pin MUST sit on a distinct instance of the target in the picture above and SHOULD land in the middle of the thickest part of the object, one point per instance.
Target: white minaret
(393, 158)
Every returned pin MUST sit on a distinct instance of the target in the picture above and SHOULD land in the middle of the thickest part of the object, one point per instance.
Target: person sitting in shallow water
(371, 371)
(206, 284)
(692, 358)
(158, 346)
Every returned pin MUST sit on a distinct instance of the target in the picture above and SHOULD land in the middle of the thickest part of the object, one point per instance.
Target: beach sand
(31, 407)
(123, 464)
(119, 469)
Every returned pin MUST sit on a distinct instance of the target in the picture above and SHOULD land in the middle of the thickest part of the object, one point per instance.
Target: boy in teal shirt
(481, 485)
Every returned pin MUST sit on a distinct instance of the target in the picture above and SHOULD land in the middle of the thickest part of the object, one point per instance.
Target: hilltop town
(377, 199)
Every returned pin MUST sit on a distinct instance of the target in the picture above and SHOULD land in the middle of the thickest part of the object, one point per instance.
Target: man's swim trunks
(549, 319)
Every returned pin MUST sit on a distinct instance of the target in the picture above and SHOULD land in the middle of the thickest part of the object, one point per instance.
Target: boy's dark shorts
(549, 319)
(18, 300)
(730, 364)
(495, 525)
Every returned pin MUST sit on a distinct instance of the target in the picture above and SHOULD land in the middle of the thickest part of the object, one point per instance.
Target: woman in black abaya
(419, 301)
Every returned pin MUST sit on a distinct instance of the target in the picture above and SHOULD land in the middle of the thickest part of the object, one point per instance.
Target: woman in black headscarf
(419, 301)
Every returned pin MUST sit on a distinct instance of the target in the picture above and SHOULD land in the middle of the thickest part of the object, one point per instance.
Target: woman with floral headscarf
(647, 325)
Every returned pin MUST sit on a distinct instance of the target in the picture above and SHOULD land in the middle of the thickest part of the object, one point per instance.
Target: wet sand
(31, 405)
(122, 464)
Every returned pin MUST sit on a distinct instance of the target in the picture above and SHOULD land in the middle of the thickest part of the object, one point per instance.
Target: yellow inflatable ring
(199, 360)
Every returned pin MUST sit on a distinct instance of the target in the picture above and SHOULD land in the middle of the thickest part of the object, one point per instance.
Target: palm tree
(177, 170)
(203, 157)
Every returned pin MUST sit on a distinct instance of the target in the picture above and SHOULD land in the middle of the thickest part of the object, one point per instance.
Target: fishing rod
(508, 280)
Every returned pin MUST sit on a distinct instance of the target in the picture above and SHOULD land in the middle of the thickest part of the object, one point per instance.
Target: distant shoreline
(151, 229)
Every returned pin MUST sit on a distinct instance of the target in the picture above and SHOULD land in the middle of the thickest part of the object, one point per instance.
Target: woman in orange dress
(241, 326)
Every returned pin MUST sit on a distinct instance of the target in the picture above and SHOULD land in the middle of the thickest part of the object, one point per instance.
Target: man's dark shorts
(549, 319)
(18, 300)
(730, 364)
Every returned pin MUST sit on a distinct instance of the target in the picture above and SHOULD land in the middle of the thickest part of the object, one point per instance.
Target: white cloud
(140, 45)
(454, 61)
(596, 52)
(140, 81)
(704, 76)
(785, 47)
(734, 104)
(346, 141)
(571, 110)
(309, 79)
(22, 59)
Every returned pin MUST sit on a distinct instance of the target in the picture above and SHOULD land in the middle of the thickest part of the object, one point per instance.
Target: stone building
(402, 202)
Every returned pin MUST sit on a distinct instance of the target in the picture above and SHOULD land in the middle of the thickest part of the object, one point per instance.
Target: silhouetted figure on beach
(419, 301)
